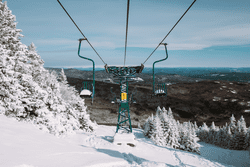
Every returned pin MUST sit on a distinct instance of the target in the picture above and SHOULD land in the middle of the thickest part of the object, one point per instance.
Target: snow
(233, 91)
(137, 79)
(233, 100)
(124, 138)
(248, 103)
(216, 98)
(86, 92)
(159, 91)
(24, 145)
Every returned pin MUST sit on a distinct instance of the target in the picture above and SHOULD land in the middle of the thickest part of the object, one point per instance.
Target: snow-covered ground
(24, 145)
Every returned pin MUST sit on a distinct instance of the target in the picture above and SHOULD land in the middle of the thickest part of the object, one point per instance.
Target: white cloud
(56, 41)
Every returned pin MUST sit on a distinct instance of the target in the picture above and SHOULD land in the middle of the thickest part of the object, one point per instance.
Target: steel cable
(126, 32)
(80, 31)
(169, 32)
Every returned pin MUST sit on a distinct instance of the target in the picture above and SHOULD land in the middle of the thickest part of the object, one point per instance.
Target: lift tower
(124, 74)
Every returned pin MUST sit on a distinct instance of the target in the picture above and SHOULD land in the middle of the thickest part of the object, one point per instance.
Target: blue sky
(214, 33)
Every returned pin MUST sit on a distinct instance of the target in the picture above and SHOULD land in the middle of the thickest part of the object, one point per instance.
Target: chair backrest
(161, 89)
(87, 85)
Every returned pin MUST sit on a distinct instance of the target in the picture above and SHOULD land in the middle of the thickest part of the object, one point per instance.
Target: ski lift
(159, 89)
(88, 87)
(124, 74)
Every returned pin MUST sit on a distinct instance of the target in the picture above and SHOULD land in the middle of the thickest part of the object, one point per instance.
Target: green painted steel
(93, 85)
(165, 44)
(124, 75)
(87, 85)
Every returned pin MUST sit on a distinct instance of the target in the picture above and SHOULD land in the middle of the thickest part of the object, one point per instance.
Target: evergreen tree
(30, 92)
(247, 139)
(148, 127)
(232, 124)
(158, 110)
(62, 77)
(240, 135)
(229, 138)
(203, 132)
(158, 136)
(218, 139)
(195, 126)
(174, 133)
(171, 131)
(212, 133)
(188, 138)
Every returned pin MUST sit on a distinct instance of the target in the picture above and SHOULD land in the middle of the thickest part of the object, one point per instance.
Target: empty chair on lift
(159, 89)
(86, 89)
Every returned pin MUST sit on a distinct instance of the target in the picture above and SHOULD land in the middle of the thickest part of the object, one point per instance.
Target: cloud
(55, 41)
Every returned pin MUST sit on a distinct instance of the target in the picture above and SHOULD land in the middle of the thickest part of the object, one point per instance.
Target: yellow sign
(123, 96)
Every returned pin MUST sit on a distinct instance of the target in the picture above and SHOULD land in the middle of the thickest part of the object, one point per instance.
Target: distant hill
(204, 73)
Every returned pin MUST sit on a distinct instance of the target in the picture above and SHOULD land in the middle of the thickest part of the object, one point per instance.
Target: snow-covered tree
(195, 126)
(229, 138)
(158, 110)
(158, 135)
(30, 92)
(247, 139)
(212, 133)
(149, 126)
(203, 132)
(232, 124)
(188, 138)
(240, 135)
(172, 132)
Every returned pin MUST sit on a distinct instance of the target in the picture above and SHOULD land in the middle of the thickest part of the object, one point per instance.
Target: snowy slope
(23, 145)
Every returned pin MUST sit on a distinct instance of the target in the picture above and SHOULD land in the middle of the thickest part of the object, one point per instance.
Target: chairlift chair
(88, 87)
(159, 89)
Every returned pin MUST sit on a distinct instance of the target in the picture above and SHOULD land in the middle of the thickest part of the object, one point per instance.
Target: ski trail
(96, 141)
(180, 162)
(140, 162)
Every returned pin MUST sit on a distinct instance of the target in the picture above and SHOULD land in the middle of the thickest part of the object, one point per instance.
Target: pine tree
(174, 133)
(229, 138)
(240, 135)
(195, 126)
(232, 124)
(171, 131)
(212, 133)
(203, 132)
(158, 136)
(158, 110)
(247, 139)
(148, 127)
(30, 92)
(62, 77)
(223, 139)
(188, 138)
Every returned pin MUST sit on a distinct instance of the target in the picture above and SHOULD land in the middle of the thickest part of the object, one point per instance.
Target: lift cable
(80, 31)
(126, 32)
(169, 32)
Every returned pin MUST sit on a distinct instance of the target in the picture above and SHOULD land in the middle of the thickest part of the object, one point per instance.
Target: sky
(212, 34)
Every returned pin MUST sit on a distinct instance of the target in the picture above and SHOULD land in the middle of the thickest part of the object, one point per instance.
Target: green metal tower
(124, 75)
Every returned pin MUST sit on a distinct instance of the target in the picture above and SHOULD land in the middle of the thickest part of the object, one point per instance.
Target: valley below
(191, 99)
